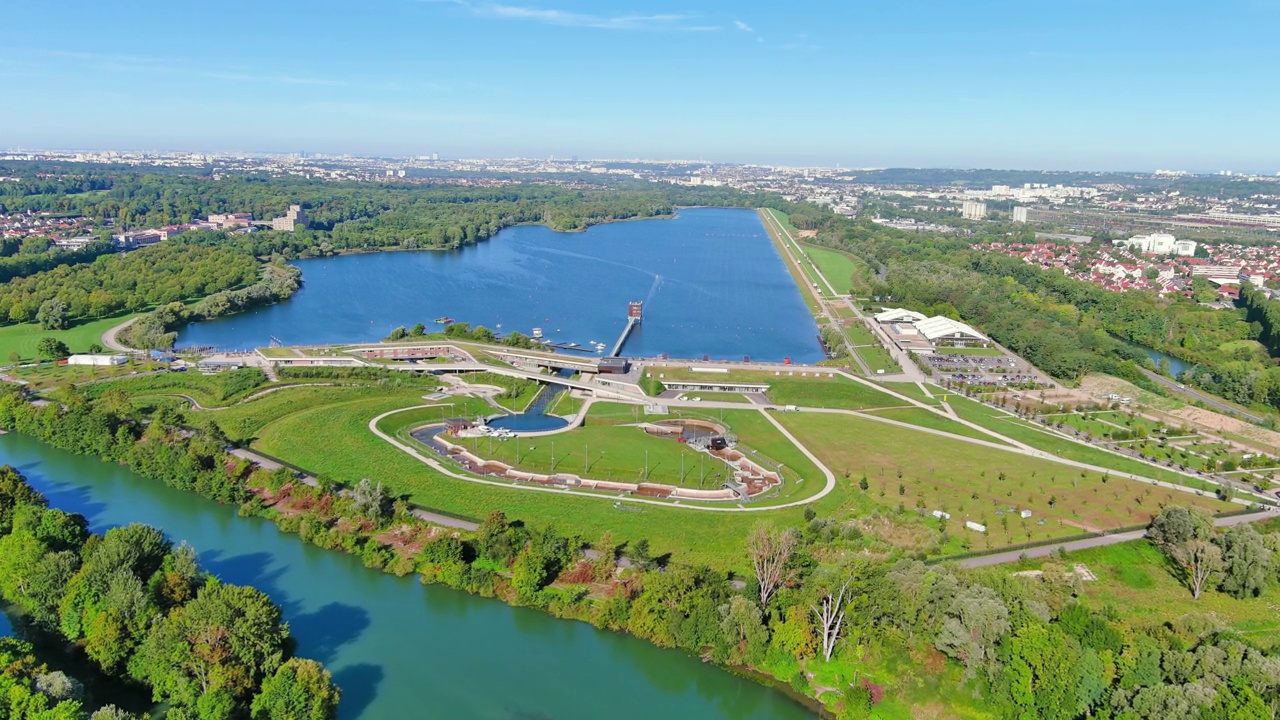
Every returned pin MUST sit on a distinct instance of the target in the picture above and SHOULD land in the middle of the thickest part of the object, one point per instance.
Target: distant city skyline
(1134, 86)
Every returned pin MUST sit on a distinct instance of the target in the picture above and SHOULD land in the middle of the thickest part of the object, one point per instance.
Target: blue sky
(1079, 84)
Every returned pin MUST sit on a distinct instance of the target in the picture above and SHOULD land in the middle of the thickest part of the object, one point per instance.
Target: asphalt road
(1046, 550)
(1209, 400)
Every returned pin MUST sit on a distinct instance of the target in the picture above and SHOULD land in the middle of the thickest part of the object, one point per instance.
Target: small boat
(572, 345)
(444, 320)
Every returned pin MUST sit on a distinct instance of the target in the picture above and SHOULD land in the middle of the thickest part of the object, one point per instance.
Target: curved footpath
(440, 467)
(109, 340)
(1046, 550)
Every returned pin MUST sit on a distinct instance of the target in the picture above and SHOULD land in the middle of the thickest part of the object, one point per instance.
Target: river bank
(357, 619)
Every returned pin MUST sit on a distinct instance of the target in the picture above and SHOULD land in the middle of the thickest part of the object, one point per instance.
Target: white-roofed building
(898, 315)
(945, 331)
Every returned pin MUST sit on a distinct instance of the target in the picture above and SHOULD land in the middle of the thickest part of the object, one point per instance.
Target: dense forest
(1022, 646)
(156, 275)
(141, 609)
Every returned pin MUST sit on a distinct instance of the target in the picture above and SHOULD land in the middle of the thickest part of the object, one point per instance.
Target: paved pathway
(109, 337)
(267, 463)
(1046, 550)
(442, 469)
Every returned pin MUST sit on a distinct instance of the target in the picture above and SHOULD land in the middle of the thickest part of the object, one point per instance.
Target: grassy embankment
(804, 280)
(1043, 439)
(972, 482)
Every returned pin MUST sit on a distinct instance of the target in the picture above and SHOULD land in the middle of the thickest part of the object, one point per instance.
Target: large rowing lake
(398, 649)
(712, 281)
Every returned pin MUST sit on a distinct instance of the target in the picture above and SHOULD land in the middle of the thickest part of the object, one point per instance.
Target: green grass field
(606, 452)
(914, 392)
(877, 358)
(859, 334)
(334, 441)
(22, 338)
(1042, 439)
(208, 390)
(924, 418)
(803, 282)
(50, 375)
(966, 481)
(839, 268)
(1134, 579)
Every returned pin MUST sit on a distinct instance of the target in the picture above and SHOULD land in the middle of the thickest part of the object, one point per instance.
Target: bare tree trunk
(830, 614)
(770, 551)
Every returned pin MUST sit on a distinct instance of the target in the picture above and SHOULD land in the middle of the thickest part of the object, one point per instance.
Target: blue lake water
(398, 649)
(712, 282)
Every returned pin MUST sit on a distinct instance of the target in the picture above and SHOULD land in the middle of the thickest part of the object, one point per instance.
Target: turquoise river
(398, 649)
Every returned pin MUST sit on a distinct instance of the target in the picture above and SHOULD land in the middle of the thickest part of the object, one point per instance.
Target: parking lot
(994, 371)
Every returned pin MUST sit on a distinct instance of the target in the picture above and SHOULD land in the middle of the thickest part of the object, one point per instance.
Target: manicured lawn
(914, 392)
(877, 358)
(22, 338)
(835, 393)
(859, 334)
(973, 482)
(607, 452)
(924, 418)
(334, 441)
(243, 421)
(839, 268)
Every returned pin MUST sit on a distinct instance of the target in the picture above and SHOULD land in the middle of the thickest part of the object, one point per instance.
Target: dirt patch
(407, 540)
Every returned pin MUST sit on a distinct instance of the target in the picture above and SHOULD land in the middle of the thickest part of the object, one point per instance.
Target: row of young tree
(141, 609)
(809, 614)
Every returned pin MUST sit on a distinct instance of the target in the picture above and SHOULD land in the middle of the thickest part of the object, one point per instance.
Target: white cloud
(279, 79)
(742, 26)
(563, 18)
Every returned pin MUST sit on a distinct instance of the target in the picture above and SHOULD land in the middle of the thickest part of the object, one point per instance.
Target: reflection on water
(397, 649)
(713, 282)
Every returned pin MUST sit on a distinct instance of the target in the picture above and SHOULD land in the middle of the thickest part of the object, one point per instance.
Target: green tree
(1176, 525)
(1247, 563)
(52, 348)
(974, 623)
(228, 638)
(742, 632)
(52, 315)
(299, 690)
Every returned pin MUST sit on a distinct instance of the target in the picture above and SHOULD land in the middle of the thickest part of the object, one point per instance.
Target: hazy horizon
(1095, 86)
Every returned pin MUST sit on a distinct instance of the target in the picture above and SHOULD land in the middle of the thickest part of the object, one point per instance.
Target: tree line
(810, 614)
(142, 609)
(157, 275)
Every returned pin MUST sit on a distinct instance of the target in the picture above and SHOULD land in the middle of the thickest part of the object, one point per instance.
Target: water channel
(712, 281)
(398, 649)
(1176, 366)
